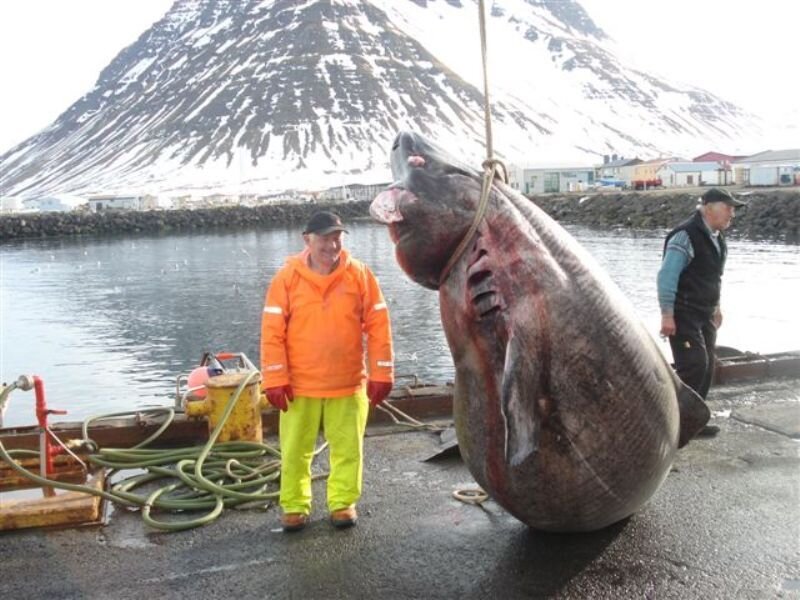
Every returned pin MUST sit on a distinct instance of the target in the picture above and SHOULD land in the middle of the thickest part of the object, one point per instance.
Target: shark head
(428, 208)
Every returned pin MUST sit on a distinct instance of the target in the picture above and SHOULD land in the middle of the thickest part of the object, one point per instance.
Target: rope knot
(495, 166)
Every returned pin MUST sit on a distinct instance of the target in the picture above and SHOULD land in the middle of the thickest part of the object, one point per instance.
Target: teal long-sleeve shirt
(677, 255)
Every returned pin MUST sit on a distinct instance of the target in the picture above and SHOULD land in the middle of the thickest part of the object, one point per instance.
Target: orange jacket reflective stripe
(313, 328)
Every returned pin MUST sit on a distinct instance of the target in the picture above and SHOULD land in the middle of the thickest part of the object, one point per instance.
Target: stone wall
(132, 222)
(772, 214)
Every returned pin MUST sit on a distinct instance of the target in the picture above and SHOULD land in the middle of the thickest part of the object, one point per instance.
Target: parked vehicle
(609, 182)
(646, 184)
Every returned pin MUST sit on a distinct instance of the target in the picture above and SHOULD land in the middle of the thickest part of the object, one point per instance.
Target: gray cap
(324, 222)
(720, 195)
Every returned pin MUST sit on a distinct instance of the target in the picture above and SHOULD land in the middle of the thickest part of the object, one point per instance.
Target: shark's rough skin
(566, 411)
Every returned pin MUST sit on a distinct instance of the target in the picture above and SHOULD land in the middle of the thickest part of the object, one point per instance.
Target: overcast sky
(744, 51)
(51, 51)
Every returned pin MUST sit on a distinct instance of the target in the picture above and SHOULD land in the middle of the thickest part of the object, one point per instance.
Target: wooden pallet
(55, 508)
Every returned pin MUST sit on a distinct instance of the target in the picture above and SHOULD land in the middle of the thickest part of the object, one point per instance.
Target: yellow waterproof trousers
(344, 421)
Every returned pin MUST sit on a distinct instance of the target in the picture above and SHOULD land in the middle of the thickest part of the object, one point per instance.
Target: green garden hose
(209, 477)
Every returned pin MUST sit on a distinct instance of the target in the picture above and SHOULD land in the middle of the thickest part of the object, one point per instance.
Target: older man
(317, 310)
(689, 284)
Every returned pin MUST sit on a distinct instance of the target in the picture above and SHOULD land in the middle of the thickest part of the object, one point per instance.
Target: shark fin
(518, 406)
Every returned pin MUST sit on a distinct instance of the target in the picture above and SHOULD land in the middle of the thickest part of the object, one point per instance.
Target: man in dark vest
(689, 283)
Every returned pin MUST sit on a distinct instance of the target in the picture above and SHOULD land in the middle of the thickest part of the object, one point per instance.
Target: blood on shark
(566, 412)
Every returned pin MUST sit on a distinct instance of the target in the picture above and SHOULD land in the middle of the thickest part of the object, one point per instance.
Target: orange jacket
(313, 325)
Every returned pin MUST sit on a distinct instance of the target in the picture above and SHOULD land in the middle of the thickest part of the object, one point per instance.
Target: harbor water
(109, 324)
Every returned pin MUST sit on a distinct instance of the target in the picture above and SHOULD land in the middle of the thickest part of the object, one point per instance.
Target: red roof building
(725, 159)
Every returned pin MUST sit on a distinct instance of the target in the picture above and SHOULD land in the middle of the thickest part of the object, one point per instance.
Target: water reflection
(110, 323)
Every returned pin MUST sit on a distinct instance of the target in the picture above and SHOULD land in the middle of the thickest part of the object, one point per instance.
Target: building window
(551, 182)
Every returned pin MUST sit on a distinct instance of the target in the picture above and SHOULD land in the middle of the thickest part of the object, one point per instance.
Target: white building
(55, 203)
(354, 192)
(770, 168)
(688, 174)
(122, 202)
(11, 204)
(546, 180)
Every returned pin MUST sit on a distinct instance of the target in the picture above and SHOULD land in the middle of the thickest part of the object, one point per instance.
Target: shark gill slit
(484, 301)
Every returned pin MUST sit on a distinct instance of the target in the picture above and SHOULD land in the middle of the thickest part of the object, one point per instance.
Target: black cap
(719, 195)
(324, 222)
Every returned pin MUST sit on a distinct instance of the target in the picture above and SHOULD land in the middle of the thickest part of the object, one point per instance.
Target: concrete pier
(725, 524)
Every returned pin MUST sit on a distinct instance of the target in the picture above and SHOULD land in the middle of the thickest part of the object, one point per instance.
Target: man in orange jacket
(317, 310)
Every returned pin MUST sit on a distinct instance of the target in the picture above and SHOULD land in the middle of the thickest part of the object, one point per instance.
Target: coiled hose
(209, 477)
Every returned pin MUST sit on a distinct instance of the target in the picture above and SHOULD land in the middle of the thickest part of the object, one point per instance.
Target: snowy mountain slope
(565, 70)
(264, 95)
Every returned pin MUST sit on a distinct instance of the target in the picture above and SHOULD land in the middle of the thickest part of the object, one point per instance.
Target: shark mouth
(384, 207)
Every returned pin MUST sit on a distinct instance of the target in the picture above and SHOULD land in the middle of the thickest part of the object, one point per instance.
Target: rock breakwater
(116, 222)
(770, 214)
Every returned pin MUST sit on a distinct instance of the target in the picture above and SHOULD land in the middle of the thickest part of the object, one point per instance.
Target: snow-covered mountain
(264, 95)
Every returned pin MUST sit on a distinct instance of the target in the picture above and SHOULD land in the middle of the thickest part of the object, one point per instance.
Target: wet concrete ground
(725, 524)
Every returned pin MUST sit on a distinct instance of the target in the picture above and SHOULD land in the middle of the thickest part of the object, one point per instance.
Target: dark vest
(701, 280)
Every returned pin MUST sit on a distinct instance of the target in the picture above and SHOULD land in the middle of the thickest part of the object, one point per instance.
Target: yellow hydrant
(244, 422)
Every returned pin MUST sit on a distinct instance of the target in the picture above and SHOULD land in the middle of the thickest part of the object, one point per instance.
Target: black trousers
(693, 350)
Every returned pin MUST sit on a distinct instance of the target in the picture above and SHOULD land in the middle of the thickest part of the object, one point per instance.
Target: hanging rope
(491, 163)
(487, 111)
(491, 166)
